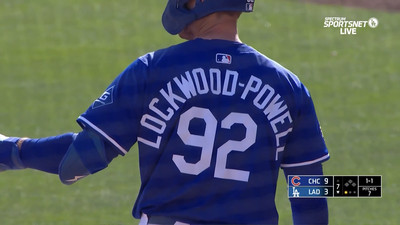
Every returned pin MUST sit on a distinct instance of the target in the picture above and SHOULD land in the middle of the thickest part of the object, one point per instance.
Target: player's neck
(211, 27)
(220, 32)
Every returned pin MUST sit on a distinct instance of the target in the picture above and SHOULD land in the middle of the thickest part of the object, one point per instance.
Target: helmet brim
(176, 16)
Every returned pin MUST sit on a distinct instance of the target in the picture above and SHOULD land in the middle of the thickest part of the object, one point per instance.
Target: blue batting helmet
(177, 16)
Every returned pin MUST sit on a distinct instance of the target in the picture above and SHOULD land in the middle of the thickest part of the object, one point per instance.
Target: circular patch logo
(373, 22)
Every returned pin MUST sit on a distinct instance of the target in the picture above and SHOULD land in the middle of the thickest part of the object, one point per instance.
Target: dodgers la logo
(223, 58)
(106, 98)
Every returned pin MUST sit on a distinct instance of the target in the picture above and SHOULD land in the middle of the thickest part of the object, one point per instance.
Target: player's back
(215, 122)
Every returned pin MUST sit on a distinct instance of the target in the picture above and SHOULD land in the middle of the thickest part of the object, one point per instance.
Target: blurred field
(57, 56)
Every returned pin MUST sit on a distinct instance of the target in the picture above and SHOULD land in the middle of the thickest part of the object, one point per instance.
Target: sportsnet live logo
(349, 27)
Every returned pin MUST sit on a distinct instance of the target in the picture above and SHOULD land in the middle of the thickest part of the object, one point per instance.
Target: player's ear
(191, 4)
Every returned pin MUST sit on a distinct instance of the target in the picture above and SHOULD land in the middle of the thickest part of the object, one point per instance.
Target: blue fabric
(306, 133)
(86, 155)
(45, 154)
(111, 112)
(308, 210)
(214, 121)
(9, 155)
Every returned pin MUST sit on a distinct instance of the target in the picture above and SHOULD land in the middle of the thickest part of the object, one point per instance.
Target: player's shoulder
(276, 68)
(172, 54)
(149, 58)
(197, 48)
(146, 58)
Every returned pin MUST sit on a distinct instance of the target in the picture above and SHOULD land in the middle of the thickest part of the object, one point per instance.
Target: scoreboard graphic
(352, 186)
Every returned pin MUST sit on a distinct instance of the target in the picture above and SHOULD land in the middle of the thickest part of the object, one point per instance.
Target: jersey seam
(103, 134)
(325, 157)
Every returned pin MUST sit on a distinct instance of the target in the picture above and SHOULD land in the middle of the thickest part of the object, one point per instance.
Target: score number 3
(206, 143)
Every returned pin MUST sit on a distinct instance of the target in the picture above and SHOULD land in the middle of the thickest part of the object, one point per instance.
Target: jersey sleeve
(115, 115)
(306, 144)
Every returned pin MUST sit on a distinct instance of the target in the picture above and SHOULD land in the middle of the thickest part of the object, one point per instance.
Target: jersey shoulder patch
(106, 98)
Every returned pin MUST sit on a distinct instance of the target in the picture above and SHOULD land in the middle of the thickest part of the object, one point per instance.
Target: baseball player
(214, 121)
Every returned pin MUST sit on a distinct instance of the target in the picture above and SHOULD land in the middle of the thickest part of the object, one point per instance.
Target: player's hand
(9, 154)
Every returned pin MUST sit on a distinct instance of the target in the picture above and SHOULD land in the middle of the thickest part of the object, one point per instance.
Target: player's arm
(308, 210)
(70, 155)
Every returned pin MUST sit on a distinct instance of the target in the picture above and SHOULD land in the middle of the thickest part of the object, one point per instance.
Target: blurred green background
(57, 56)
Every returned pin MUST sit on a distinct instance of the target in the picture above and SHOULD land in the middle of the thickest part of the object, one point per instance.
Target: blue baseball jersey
(214, 121)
